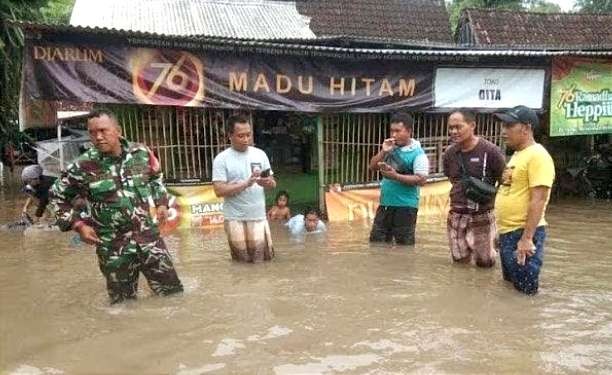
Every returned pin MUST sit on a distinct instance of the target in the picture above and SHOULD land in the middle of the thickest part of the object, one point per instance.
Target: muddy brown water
(327, 304)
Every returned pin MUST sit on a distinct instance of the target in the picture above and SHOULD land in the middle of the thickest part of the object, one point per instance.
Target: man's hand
(382, 166)
(162, 215)
(388, 145)
(506, 178)
(253, 179)
(389, 172)
(88, 234)
(525, 248)
(230, 189)
(266, 182)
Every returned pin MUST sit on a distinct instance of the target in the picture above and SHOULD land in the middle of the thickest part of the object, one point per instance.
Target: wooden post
(440, 153)
(321, 158)
(61, 146)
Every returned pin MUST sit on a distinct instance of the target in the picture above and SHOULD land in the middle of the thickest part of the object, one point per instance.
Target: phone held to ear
(265, 173)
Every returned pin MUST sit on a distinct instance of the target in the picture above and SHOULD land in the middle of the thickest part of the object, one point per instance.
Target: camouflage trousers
(121, 268)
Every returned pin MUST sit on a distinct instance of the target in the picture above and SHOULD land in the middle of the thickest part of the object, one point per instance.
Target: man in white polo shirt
(240, 175)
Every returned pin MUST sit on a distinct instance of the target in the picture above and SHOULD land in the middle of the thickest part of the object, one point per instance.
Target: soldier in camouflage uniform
(123, 184)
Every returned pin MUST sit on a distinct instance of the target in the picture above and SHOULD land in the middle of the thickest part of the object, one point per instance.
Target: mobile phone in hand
(383, 166)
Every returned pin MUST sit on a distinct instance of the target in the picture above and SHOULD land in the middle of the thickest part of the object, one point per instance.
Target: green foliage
(11, 42)
(57, 11)
(542, 6)
(11, 52)
(594, 6)
(456, 6)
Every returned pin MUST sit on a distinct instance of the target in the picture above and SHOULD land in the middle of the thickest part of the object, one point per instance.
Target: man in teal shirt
(404, 167)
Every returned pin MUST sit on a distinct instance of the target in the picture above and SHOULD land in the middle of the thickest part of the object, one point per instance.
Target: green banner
(581, 97)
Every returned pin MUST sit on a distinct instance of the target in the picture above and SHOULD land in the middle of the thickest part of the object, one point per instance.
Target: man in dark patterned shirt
(470, 224)
(123, 184)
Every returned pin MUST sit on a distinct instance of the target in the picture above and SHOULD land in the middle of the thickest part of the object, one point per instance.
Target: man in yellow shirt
(521, 200)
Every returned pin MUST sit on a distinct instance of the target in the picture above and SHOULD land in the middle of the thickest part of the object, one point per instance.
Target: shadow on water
(327, 304)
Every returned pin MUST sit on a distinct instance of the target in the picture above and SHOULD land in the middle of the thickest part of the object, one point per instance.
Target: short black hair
(97, 113)
(468, 115)
(312, 210)
(236, 119)
(405, 118)
(281, 193)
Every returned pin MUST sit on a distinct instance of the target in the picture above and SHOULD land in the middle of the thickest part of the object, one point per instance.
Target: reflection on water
(328, 304)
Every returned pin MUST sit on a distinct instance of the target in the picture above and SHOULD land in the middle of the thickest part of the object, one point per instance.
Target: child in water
(280, 210)
(36, 186)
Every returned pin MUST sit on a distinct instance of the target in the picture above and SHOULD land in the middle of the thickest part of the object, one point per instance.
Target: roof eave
(288, 46)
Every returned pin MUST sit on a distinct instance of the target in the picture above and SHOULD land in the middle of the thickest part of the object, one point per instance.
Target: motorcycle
(593, 178)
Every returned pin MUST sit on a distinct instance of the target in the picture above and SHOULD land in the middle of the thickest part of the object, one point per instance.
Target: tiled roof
(416, 20)
(491, 27)
(245, 19)
(400, 20)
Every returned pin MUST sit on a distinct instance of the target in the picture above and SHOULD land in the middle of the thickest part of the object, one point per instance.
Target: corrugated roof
(245, 19)
(295, 47)
(417, 20)
(493, 27)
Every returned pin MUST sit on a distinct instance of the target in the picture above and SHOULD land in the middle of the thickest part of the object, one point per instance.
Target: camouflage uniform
(119, 191)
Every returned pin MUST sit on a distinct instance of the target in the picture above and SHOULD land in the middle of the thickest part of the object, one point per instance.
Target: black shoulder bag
(476, 189)
(396, 162)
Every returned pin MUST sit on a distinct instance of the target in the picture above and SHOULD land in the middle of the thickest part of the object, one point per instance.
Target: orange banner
(362, 204)
(194, 206)
(198, 206)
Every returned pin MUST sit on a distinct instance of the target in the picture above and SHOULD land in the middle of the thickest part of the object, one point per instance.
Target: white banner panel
(488, 88)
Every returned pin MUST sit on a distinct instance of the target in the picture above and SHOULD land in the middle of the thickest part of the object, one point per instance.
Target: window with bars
(186, 140)
(350, 140)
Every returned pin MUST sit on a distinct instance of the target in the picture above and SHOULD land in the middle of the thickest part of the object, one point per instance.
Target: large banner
(362, 204)
(488, 88)
(122, 74)
(581, 97)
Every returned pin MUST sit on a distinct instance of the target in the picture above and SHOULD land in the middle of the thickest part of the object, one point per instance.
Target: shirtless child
(280, 210)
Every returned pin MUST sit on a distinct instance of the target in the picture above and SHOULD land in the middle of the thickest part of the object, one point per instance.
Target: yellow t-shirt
(527, 168)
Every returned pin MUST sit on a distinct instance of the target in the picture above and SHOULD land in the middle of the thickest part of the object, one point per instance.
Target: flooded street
(329, 304)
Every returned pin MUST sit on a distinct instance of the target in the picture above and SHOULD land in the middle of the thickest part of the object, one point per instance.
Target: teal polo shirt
(394, 193)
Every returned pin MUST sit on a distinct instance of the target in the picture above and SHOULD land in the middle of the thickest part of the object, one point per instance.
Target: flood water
(328, 304)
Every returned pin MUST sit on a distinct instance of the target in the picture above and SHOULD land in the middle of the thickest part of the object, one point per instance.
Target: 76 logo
(567, 95)
(167, 77)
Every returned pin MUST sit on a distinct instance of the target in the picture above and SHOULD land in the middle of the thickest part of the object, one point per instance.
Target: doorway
(290, 141)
